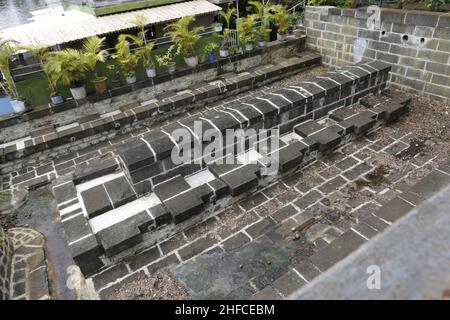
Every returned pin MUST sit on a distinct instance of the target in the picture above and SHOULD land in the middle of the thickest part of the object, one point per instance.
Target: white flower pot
(224, 53)
(171, 67)
(130, 80)
(78, 92)
(281, 37)
(248, 47)
(191, 61)
(151, 72)
(261, 44)
(18, 106)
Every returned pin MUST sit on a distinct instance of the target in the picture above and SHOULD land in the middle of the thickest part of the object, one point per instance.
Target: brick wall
(416, 43)
(6, 252)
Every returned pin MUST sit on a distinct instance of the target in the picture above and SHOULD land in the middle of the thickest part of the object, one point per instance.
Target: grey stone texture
(416, 43)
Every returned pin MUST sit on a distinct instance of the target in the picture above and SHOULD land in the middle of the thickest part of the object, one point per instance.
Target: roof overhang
(75, 25)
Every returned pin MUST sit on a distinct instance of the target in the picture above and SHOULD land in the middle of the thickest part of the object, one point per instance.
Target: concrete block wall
(416, 43)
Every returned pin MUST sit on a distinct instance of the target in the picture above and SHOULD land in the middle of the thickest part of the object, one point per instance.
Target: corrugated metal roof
(76, 25)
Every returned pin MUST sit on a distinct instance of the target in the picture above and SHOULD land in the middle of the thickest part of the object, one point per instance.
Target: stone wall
(6, 253)
(416, 43)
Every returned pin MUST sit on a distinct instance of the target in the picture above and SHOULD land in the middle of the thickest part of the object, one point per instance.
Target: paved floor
(412, 267)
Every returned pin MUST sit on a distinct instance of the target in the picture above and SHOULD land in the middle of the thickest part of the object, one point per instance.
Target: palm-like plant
(145, 48)
(69, 66)
(226, 15)
(260, 8)
(128, 60)
(7, 84)
(42, 53)
(183, 37)
(93, 53)
(281, 17)
(246, 30)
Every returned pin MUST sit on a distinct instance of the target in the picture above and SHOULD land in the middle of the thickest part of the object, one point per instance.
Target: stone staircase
(126, 204)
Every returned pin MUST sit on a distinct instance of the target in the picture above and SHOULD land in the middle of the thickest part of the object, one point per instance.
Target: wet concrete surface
(39, 212)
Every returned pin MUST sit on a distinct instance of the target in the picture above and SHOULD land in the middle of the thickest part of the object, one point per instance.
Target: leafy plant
(127, 59)
(145, 48)
(261, 9)
(182, 37)
(210, 48)
(226, 15)
(93, 53)
(246, 30)
(41, 53)
(281, 17)
(167, 58)
(317, 2)
(7, 83)
(70, 66)
(435, 4)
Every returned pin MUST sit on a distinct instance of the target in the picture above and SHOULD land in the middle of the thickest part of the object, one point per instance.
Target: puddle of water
(39, 212)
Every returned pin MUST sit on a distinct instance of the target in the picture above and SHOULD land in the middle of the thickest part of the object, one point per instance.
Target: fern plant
(182, 37)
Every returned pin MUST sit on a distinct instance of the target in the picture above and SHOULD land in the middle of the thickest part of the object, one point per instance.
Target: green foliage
(435, 4)
(317, 2)
(167, 58)
(281, 17)
(145, 49)
(6, 51)
(260, 8)
(246, 29)
(226, 15)
(127, 59)
(210, 48)
(182, 37)
(70, 66)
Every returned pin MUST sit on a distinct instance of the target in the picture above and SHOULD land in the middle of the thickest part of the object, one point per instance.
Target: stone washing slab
(96, 201)
(124, 234)
(119, 191)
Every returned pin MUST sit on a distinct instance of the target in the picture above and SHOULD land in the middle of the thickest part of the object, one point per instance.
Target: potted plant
(115, 76)
(246, 31)
(224, 46)
(209, 49)
(145, 48)
(166, 60)
(41, 53)
(6, 81)
(70, 66)
(127, 59)
(262, 34)
(281, 18)
(92, 48)
(184, 38)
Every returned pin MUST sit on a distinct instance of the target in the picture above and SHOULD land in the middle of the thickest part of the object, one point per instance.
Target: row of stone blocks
(178, 198)
(91, 125)
(147, 161)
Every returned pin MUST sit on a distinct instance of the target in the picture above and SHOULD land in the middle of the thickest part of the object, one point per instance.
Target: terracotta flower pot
(100, 84)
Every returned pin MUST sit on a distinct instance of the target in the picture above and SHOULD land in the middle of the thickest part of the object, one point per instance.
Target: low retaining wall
(146, 89)
(151, 196)
(416, 43)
